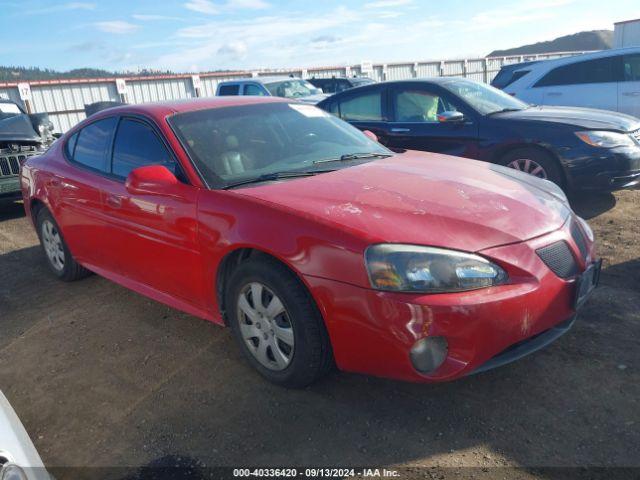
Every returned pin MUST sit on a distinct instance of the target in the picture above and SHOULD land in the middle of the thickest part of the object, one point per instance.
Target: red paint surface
(169, 247)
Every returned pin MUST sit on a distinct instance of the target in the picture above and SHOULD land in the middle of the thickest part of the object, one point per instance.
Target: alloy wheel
(265, 326)
(529, 166)
(52, 243)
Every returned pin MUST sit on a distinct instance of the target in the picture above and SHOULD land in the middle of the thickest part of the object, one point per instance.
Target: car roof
(159, 110)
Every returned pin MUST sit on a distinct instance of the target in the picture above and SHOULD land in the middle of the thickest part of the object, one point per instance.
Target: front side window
(136, 145)
(232, 89)
(364, 107)
(483, 98)
(254, 90)
(238, 143)
(92, 146)
(419, 106)
(600, 70)
(631, 68)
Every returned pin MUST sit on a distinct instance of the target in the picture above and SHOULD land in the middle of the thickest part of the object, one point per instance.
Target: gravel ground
(101, 376)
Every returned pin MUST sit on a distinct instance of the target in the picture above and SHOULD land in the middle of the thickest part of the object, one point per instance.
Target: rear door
(589, 83)
(629, 87)
(364, 109)
(153, 237)
(78, 192)
(414, 124)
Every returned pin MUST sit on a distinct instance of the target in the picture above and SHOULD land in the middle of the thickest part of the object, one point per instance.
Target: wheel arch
(233, 258)
(500, 153)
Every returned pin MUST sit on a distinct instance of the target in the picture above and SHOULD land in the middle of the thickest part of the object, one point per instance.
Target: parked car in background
(19, 459)
(313, 242)
(22, 135)
(608, 80)
(340, 84)
(286, 87)
(575, 148)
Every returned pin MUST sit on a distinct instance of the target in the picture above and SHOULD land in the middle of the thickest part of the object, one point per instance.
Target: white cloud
(151, 17)
(388, 3)
(209, 8)
(248, 4)
(119, 27)
(63, 7)
(202, 6)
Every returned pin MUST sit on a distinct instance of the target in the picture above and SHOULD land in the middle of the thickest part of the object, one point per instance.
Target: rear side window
(71, 145)
(600, 70)
(367, 107)
(233, 89)
(92, 145)
(504, 79)
(136, 145)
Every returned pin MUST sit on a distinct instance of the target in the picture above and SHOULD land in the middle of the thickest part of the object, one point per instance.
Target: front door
(154, 236)
(629, 89)
(414, 122)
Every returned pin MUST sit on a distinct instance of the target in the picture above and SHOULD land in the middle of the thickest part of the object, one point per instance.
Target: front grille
(10, 163)
(559, 259)
(578, 237)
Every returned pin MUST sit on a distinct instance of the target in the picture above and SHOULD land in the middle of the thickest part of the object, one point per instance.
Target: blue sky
(200, 35)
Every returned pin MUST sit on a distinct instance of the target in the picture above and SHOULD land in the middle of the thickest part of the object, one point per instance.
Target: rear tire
(58, 256)
(281, 333)
(535, 162)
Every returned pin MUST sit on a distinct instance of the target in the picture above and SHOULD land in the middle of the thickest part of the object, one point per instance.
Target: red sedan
(316, 244)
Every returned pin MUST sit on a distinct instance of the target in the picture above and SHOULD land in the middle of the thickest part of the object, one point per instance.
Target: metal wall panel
(65, 101)
(399, 71)
(142, 91)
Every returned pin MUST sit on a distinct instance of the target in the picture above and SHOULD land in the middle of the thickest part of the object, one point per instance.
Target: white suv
(609, 80)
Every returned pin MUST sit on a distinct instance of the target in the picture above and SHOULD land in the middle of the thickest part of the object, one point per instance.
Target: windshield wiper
(267, 177)
(354, 156)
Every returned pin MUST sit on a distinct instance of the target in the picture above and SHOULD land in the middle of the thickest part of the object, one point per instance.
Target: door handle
(114, 201)
(631, 94)
(554, 94)
(400, 130)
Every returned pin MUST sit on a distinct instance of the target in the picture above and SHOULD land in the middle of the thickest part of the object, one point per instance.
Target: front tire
(277, 324)
(58, 256)
(534, 162)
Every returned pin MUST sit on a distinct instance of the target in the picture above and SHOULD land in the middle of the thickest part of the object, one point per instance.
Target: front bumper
(372, 332)
(10, 187)
(591, 168)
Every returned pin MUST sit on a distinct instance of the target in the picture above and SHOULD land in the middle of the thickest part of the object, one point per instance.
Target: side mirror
(153, 179)
(450, 117)
(371, 135)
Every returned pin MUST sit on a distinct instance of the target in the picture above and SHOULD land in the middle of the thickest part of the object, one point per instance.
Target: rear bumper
(373, 332)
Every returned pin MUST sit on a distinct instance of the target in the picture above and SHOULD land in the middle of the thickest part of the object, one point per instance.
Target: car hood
(427, 199)
(17, 128)
(586, 118)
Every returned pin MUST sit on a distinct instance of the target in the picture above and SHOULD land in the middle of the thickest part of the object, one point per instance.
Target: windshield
(483, 98)
(233, 144)
(292, 88)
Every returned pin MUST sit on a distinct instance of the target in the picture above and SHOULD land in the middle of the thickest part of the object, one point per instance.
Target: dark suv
(339, 84)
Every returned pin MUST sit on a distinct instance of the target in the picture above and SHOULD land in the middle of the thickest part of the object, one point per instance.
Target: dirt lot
(101, 376)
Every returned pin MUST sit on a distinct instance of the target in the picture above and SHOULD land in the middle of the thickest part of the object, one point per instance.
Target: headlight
(411, 268)
(604, 139)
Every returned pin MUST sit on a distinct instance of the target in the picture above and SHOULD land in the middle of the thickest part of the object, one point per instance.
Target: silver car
(287, 87)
